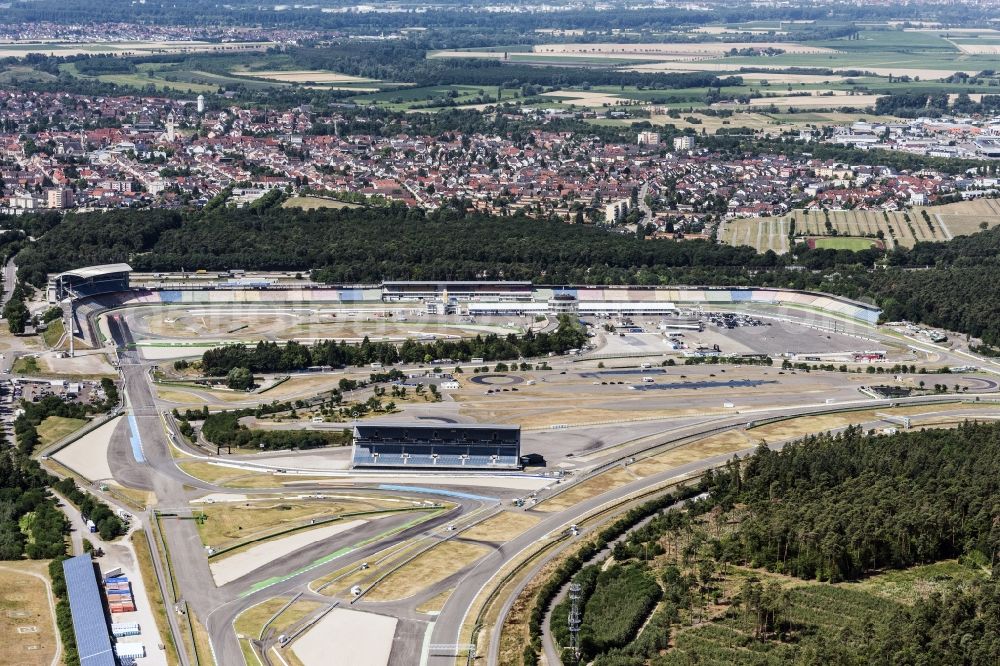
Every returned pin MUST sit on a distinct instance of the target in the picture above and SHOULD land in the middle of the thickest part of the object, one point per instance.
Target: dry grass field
(723, 443)
(427, 569)
(316, 203)
(228, 523)
(251, 621)
(977, 49)
(27, 632)
(712, 124)
(598, 485)
(231, 477)
(501, 527)
(792, 428)
(434, 604)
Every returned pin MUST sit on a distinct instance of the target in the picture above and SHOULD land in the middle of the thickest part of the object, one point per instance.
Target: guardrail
(669, 445)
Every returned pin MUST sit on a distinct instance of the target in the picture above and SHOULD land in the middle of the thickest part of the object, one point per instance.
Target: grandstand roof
(93, 643)
(98, 271)
(505, 283)
(439, 426)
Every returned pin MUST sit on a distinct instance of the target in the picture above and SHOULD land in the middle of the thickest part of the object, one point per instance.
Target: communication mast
(574, 620)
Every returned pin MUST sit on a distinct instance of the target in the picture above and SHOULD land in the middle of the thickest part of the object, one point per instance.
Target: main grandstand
(437, 446)
(89, 281)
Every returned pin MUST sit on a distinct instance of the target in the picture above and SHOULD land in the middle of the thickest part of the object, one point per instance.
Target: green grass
(909, 585)
(843, 243)
(54, 428)
(881, 41)
(52, 334)
(141, 80)
(26, 365)
(407, 98)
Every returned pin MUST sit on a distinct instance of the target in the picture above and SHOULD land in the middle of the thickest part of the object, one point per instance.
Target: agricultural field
(193, 75)
(303, 76)
(428, 97)
(902, 228)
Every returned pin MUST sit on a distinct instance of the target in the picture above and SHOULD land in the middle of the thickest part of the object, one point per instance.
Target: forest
(452, 17)
(836, 508)
(351, 246)
(768, 565)
(406, 61)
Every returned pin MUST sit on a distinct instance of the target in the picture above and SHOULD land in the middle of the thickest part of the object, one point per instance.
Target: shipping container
(130, 650)
(112, 573)
(122, 629)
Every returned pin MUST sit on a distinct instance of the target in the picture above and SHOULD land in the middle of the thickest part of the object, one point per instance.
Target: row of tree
(369, 245)
(225, 429)
(293, 356)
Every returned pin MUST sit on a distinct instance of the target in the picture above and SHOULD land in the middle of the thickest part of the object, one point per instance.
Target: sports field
(841, 243)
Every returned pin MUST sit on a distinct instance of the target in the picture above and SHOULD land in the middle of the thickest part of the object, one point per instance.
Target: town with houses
(63, 151)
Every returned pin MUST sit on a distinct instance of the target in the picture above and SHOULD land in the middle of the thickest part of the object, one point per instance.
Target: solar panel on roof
(93, 642)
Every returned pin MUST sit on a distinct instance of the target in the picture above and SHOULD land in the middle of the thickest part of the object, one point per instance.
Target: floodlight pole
(574, 620)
